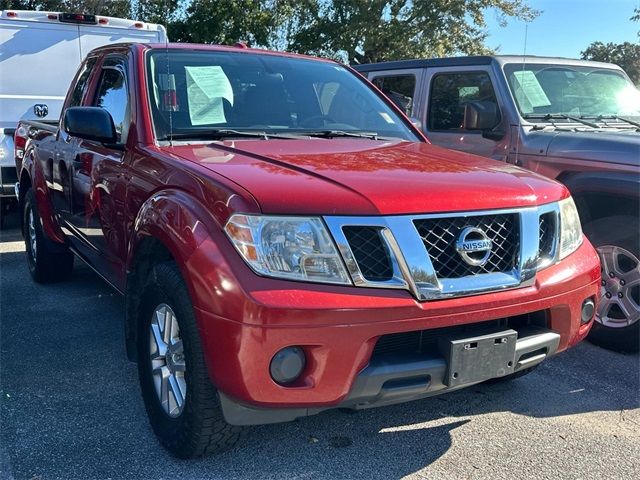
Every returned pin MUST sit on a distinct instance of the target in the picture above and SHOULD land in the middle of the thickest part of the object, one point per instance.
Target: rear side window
(80, 89)
(400, 89)
(112, 96)
(449, 94)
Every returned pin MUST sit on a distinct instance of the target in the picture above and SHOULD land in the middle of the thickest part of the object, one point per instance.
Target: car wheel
(617, 321)
(182, 404)
(48, 261)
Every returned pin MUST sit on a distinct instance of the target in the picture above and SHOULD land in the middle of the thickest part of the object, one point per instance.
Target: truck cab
(572, 120)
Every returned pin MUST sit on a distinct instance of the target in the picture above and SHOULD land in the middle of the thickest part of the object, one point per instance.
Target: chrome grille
(370, 251)
(440, 234)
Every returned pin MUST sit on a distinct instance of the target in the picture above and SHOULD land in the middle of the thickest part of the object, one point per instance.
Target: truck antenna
(524, 62)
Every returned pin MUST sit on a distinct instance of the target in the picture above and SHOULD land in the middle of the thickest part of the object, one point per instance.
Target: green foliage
(626, 55)
(360, 31)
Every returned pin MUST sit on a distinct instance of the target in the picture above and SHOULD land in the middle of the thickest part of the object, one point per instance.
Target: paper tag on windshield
(206, 88)
(531, 88)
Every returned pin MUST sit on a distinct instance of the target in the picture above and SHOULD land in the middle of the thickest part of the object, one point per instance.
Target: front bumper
(397, 380)
(339, 327)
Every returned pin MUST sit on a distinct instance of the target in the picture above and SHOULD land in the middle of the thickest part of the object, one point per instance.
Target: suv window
(449, 94)
(400, 90)
(112, 96)
(83, 82)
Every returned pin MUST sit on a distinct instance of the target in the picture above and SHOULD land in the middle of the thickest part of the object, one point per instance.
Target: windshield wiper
(339, 133)
(220, 133)
(560, 116)
(599, 118)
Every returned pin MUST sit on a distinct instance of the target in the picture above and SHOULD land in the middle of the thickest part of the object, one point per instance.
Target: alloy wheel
(620, 292)
(167, 360)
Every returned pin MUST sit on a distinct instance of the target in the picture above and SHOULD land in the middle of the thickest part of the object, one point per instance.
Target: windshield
(225, 93)
(545, 90)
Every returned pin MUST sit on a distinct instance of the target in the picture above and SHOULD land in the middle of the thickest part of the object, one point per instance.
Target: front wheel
(617, 323)
(182, 404)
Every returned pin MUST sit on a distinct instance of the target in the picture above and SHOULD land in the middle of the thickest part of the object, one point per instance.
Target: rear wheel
(617, 241)
(182, 404)
(48, 261)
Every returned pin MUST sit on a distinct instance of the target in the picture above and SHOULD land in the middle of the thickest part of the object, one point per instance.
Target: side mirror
(90, 123)
(483, 116)
(480, 116)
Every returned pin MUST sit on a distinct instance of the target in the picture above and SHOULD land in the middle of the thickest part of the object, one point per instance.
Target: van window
(449, 94)
(400, 89)
(82, 83)
(112, 96)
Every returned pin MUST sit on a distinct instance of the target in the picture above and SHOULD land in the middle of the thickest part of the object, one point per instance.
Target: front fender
(182, 224)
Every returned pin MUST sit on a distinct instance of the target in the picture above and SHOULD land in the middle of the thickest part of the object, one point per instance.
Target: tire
(513, 376)
(196, 426)
(48, 261)
(617, 322)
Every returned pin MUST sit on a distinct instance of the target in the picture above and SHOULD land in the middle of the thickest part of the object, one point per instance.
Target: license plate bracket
(478, 358)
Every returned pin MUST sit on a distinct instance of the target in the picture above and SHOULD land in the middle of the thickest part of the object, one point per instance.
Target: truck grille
(371, 252)
(440, 235)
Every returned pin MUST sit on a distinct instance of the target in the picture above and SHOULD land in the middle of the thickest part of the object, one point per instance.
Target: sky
(566, 27)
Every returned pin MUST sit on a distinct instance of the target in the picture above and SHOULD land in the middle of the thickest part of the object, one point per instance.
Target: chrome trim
(412, 266)
(16, 190)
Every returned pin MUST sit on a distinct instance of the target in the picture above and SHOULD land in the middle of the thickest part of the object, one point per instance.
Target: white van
(40, 53)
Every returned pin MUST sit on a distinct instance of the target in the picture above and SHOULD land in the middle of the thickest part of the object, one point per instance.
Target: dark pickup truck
(288, 242)
(576, 121)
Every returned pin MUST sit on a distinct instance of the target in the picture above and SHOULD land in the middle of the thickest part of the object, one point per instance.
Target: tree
(626, 55)
(360, 31)
(226, 22)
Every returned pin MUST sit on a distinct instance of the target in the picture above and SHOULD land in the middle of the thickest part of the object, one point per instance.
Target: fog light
(287, 365)
(588, 309)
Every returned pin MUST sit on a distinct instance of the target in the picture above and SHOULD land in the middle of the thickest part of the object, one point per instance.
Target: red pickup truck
(288, 242)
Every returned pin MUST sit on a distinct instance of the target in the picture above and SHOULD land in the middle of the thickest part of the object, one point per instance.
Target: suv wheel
(48, 261)
(617, 324)
(182, 404)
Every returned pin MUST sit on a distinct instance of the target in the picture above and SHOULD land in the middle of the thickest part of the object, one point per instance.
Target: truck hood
(368, 177)
(602, 145)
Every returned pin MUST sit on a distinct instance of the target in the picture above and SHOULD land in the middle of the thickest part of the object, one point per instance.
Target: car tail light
(12, 14)
(52, 16)
(103, 21)
(19, 141)
(138, 24)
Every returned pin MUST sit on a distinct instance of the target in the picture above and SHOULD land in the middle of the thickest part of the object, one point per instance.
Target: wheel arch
(170, 226)
(597, 193)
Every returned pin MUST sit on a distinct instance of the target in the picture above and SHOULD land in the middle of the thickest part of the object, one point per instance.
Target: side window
(82, 83)
(113, 97)
(450, 92)
(400, 89)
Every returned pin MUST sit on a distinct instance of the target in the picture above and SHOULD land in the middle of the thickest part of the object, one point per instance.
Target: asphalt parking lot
(70, 408)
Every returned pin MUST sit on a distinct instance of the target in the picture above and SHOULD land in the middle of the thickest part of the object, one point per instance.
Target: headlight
(293, 248)
(570, 230)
